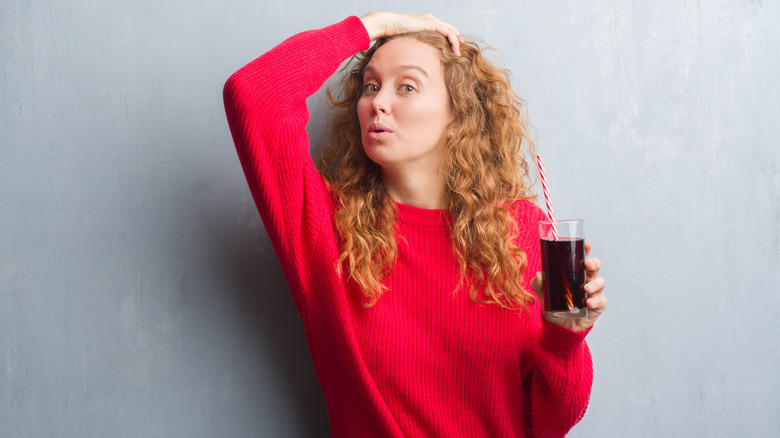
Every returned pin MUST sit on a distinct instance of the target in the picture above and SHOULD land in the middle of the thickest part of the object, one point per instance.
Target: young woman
(411, 252)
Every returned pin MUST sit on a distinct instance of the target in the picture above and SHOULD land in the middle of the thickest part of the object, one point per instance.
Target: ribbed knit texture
(425, 361)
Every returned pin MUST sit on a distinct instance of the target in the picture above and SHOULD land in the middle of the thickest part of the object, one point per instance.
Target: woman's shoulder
(528, 210)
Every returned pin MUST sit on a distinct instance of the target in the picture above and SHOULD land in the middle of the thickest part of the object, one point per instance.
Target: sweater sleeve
(561, 377)
(561, 380)
(265, 104)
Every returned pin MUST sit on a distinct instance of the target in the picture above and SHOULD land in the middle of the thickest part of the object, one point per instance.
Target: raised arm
(265, 103)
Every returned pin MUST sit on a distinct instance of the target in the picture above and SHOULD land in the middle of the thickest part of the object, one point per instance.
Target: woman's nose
(380, 104)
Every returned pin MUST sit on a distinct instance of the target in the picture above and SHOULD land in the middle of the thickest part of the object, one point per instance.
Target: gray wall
(139, 296)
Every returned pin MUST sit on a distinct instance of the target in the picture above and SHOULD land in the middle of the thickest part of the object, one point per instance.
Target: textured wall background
(139, 296)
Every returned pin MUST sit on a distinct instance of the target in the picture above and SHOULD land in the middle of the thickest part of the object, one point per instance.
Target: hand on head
(384, 24)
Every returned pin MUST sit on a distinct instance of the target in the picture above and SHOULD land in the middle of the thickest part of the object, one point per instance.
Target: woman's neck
(423, 189)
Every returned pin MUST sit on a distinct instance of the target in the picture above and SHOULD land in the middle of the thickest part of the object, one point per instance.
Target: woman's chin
(379, 152)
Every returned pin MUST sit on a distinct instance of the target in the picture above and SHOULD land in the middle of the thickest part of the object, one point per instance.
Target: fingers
(597, 301)
(595, 285)
(429, 22)
(455, 43)
(451, 32)
(384, 24)
(592, 267)
(537, 282)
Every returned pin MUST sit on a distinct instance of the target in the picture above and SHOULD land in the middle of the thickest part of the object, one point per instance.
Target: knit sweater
(425, 361)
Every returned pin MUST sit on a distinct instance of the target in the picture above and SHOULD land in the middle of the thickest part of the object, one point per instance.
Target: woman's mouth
(377, 131)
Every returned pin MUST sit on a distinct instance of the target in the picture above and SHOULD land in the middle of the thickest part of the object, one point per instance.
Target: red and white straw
(546, 191)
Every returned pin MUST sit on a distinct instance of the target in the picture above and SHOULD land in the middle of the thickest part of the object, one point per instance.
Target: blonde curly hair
(485, 169)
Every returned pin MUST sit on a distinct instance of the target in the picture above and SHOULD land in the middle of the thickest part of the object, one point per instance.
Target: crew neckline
(422, 216)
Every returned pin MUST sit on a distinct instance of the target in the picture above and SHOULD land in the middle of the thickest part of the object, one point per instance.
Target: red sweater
(422, 362)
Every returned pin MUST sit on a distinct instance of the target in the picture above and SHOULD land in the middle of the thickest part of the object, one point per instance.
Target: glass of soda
(563, 263)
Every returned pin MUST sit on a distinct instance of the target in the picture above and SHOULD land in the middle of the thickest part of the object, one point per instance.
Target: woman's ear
(452, 129)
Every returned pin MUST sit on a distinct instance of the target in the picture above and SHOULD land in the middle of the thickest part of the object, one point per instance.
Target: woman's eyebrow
(372, 69)
(414, 67)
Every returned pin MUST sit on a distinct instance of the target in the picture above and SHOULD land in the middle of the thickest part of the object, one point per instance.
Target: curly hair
(485, 169)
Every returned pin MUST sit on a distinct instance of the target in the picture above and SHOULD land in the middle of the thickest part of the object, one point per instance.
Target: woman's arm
(561, 377)
(558, 389)
(265, 103)
(562, 374)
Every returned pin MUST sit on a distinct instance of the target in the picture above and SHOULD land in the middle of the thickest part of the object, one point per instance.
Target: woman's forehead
(402, 54)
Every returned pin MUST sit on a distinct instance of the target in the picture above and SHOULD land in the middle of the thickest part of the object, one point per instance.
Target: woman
(410, 254)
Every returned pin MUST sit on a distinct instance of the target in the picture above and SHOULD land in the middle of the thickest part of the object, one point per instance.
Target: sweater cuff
(349, 36)
(562, 342)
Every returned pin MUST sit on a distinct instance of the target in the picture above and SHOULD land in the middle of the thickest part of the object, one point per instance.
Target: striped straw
(546, 191)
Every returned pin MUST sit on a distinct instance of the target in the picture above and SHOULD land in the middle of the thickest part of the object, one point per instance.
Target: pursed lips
(377, 131)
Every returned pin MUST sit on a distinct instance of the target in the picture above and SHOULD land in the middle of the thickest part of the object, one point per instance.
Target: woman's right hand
(384, 24)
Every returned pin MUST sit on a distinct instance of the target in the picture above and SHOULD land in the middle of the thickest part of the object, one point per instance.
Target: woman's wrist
(371, 23)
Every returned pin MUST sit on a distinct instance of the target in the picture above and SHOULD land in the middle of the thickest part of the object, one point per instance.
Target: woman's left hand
(594, 287)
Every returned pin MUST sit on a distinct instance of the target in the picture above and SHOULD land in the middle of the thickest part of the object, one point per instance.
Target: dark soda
(564, 276)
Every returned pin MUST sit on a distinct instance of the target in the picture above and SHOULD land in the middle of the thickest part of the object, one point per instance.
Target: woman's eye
(407, 89)
(370, 88)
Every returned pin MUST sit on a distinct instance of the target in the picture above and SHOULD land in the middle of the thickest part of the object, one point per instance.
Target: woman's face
(404, 111)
